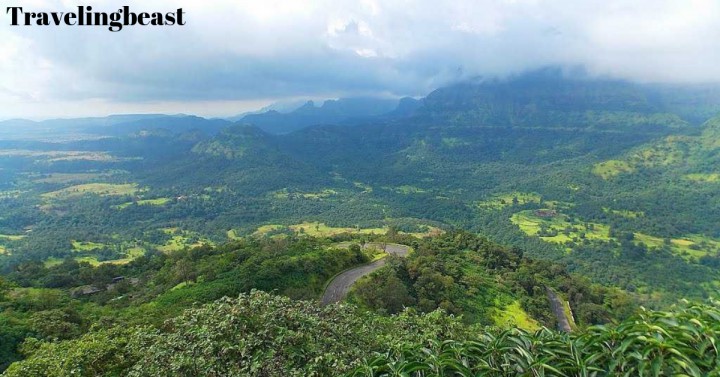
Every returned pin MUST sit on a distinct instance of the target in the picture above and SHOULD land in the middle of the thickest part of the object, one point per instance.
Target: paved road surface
(558, 309)
(340, 286)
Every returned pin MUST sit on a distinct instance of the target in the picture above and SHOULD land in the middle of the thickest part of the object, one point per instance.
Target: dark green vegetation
(470, 276)
(264, 335)
(619, 157)
(681, 342)
(606, 192)
(56, 303)
(345, 111)
(66, 300)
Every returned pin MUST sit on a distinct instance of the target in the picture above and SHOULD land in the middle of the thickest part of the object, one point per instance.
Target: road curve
(556, 305)
(340, 285)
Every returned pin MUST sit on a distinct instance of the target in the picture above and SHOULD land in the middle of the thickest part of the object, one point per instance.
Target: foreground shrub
(259, 334)
(683, 342)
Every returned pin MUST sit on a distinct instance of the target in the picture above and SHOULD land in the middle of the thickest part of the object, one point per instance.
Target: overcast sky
(237, 55)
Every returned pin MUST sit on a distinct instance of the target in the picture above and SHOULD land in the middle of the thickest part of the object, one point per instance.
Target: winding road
(558, 309)
(340, 285)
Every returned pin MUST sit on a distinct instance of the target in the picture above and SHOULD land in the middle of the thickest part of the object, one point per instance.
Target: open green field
(513, 315)
(131, 254)
(374, 250)
(92, 260)
(264, 230)
(146, 202)
(178, 243)
(430, 231)
(560, 230)
(232, 235)
(624, 213)
(454, 142)
(317, 229)
(5, 240)
(323, 194)
(366, 188)
(612, 168)
(11, 237)
(10, 194)
(692, 246)
(180, 240)
(61, 178)
(671, 151)
(52, 262)
(319, 195)
(86, 246)
(406, 190)
(103, 189)
(703, 178)
(54, 156)
(504, 200)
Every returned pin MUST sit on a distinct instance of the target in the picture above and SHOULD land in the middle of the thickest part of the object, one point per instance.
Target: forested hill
(461, 273)
(544, 101)
(546, 98)
(344, 111)
(604, 192)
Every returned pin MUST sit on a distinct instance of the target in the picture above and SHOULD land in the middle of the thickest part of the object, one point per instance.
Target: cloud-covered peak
(237, 55)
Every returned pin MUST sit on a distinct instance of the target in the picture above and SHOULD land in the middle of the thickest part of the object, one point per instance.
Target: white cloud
(232, 52)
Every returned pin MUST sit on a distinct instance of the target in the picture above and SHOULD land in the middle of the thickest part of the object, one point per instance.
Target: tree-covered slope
(598, 179)
(606, 154)
(260, 334)
(343, 111)
(463, 274)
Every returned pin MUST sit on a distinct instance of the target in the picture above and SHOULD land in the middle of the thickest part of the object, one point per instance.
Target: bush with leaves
(683, 342)
(101, 353)
(257, 334)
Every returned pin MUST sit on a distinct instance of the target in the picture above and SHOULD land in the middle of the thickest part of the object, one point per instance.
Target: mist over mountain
(343, 111)
(533, 98)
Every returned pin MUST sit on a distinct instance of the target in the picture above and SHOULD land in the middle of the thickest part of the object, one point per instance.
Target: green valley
(523, 208)
(360, 188)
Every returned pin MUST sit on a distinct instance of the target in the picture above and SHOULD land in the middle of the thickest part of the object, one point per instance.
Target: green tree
(4, 288)
(56, 324)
